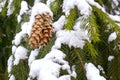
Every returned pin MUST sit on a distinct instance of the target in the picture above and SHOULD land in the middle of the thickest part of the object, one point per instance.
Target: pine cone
(41, 30)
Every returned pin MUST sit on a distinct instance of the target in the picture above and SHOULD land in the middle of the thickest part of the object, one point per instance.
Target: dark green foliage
(75, 57)
(56, 8)
(7, 30)
(107, 26)
(21, 70)
(114, 69)
(16, 4)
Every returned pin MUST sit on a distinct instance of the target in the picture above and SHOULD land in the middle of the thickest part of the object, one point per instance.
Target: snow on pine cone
(41, 30)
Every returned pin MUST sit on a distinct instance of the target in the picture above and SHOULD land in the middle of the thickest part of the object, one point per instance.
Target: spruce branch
(80, 59)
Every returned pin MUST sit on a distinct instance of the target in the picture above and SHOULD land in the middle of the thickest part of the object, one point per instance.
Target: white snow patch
(13, 49)
(74, 74)
(55, 54)
(10, 63)
(21, 34)
(101, 69)
(112, 37)
(24, 8)
(37, 1)
(67, 5)
(110, 58)
(92, 2)
(18, 38)
(10, 7)
(21, 53)
(49, 2)
(32, 56)
(82, 5)
(84, 8)
(48, 68)
(116, 2)
(24, 27)
(47, 71)
(65, 77)
(92, 73)
(115, 17)
(73, 38)
(19, 18)
(12, 77)
(58, 25)
(2, 4)
(38, 8)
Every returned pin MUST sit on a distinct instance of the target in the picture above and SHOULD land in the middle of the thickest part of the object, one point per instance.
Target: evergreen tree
(60, 39)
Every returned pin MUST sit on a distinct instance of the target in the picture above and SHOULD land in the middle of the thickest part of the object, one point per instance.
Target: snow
(112, 37)
(18, 38)
(32, 56)
(92, 73)
(67, 5)
(93, 3)
(19, 18)
(24, 27)
(13, 49)
(116, 2)
(49, 2)
(10, 7)
(73, 38)
(10, 64)
(58, 25)
(84, 8)
(115, 17)
(68, 37)
(12, 77)
(56, 55)
(38, 8)
(21, 34)
(101, 69)
(52, 63)
(110, 58)
(82, 5)
(65, 77)
(2, 4)
(74, 74)
(36, 1)
(20, 53)
(24, 8)
(47, 71)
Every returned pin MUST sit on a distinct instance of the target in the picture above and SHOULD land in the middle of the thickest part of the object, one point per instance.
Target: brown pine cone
(41, 30)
